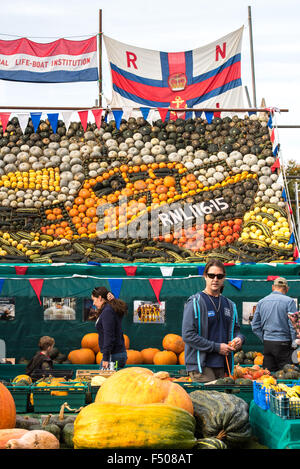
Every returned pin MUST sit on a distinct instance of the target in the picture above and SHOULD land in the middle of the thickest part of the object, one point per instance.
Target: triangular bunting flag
(4, 118)
(270, 124)
(283, 195)
(83, 116)
(130, 270)
(53, 119)
(292, 239)
(163, 113)
(272, 136)
(2, 280)
(271, 277)
(166, 271)
(20, 270)
(198, 114)
(127, 112)
(189, 115)
(37, 285)
(275, 165)
(35, 118)
(173, 116)
(91, 263)
(115, 286)
(201, 269)
(145, 111)
(209, 116)
(156, 284)
(67, 118)
(118, 117)
(97, 113)
(296, 253)
(290, 209)
(217, 113)
(23, 121)
(250, 113)
(275, 151)
(236, 283)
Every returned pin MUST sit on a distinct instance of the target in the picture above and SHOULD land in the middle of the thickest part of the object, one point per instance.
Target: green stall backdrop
(22, 333)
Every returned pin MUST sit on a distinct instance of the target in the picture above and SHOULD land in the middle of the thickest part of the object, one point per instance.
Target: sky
(170, 26)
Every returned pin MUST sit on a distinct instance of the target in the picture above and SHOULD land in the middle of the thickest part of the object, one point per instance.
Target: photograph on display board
(249, 310)
(59, 308)
(89, 310)
(147, 312)
(7, 309)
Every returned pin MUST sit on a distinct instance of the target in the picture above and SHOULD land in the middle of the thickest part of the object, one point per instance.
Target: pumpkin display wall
(62, 194)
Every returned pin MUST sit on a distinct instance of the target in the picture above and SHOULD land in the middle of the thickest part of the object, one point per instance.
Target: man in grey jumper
(273, 326)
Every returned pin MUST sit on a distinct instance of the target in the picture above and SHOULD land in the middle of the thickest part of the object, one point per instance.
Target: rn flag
(209, 76)
(55, 62)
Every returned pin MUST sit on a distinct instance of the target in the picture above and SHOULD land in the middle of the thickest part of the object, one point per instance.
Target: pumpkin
(258, 360)
(173, 342)
(181, 359)
(83, 356)
(22, 378)
(148, 354)
(91, 341)
(127, 341)
(137, 385)
(134, 357)
(221, 415)
(211, 443)
(9, 433)
(34, 439)
(151, 426)
(7, 408)
(165, 357)
(99, 357)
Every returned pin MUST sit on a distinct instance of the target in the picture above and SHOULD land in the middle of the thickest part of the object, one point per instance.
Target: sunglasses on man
(212, 276)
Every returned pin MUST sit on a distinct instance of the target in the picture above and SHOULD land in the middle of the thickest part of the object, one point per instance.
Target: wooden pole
(252, 55)
(100, 58)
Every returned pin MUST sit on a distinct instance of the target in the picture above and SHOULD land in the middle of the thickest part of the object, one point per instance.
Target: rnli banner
(209, 76)
(56, 62)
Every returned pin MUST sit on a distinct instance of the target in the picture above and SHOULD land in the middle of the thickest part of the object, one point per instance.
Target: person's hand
(225, 349)
(105, 365)
(236, 343)
(110, 296)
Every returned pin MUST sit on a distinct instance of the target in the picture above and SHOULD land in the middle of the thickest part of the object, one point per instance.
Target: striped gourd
(211, 443)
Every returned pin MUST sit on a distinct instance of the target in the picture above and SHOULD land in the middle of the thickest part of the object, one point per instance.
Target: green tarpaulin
(245, 283)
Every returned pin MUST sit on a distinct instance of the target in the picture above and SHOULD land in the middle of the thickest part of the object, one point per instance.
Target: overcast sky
(170, 26)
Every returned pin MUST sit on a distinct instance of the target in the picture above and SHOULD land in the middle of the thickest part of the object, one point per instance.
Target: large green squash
(150, 426)
(221, 415)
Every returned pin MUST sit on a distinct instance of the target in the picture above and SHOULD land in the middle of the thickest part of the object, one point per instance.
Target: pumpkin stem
(46, 420)
(221, 435)
(62, 410)
(162, 375)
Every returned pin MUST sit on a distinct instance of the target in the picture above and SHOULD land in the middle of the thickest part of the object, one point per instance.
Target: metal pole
(100, 58)
(252, 56)
(248, 97)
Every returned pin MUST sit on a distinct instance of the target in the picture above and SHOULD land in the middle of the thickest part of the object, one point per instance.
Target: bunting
(118, 117)
(37, 285)
(156, 284)
(97, 113)
(115, 286)
(53, 120)
(21, 270)
(236, 283)
(35, 118)
(83, 116)
(130, 270)
(2, 280)
(4, 118)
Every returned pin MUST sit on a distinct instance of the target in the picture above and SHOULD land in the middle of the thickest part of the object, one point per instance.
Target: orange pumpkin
(91, 341)
(173, 342)
(9, 434)
(7, 408)
(82, 356)
(148, 354)
(181, 358)
(165, 357)
(127, 341)
(140, 386)
(134, 357)
(258, 360)
(99, 357)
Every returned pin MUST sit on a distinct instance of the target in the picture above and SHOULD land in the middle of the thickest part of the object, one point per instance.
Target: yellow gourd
(100, 426)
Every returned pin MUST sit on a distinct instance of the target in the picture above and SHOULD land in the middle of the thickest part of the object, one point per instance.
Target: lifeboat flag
(55, 62)
(209, 76)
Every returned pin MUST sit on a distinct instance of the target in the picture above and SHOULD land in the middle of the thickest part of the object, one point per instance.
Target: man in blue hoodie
(273, 326)
(210, 328)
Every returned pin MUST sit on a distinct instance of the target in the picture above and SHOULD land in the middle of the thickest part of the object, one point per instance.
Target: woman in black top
(110, 312)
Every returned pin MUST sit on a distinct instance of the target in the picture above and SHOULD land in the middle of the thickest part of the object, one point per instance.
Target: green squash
(210, 443)
(67, 435)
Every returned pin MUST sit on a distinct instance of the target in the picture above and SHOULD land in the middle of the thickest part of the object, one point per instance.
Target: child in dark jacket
(41, 360)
